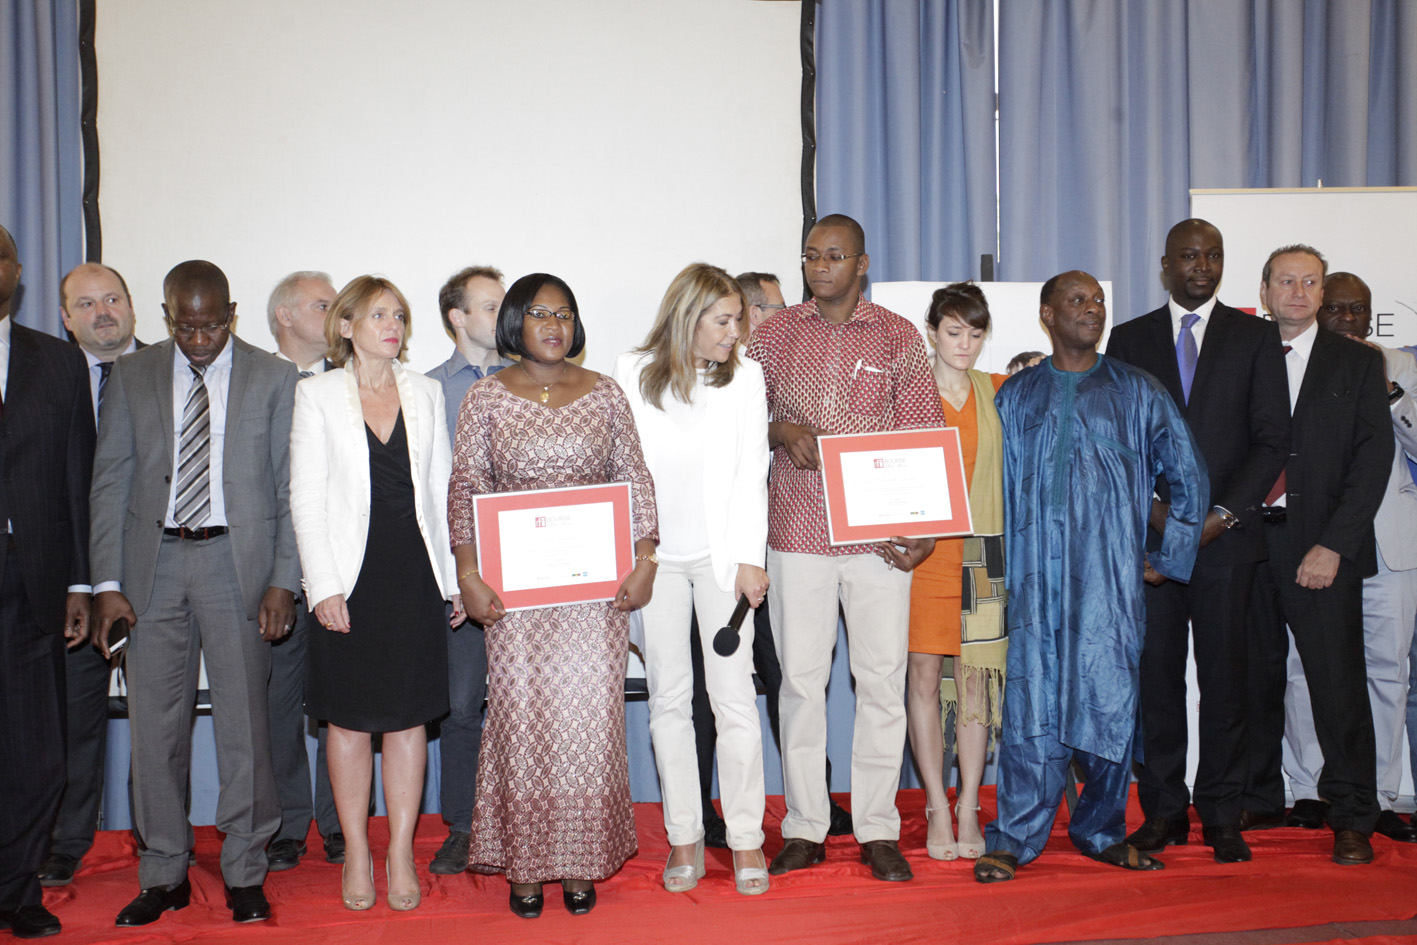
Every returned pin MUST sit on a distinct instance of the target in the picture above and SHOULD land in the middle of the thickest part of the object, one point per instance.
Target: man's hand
(77, 608)
(1152, 576)
(916, 551)
(1318, 569)
(1157, 517)
(800, 441)
(1213, 528)
(107, 608)
(277, 614)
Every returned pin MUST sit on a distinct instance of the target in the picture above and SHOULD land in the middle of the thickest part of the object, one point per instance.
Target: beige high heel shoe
(746, 875)
(402, 901)
(939, 851)
(357, 902)
(972, 850)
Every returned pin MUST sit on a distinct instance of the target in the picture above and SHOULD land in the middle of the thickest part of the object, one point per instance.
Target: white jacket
(329, 477)
(735, 433)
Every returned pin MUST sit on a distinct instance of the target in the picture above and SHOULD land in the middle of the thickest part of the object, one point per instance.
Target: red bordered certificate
(550, 547)
(902, 482)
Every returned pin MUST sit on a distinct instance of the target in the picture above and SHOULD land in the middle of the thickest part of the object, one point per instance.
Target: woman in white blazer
(369, 469)
(701, 411)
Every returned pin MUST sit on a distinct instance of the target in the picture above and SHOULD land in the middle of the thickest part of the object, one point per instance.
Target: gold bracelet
(466, 573)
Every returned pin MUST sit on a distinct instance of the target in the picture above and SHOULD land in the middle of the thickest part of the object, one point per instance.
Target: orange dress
(935, 586)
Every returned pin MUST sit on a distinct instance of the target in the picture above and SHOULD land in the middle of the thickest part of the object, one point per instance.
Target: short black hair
(513, 311)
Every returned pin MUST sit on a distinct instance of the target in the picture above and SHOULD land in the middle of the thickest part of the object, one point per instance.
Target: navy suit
(1238, 413)
(46, 458)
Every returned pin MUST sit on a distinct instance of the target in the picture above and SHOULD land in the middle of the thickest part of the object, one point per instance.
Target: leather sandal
(997, 867)
(1127, 857)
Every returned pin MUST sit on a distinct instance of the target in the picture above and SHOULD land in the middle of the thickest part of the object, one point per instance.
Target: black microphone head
(725, 641)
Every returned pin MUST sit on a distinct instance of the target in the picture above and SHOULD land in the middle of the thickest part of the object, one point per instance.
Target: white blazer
(329, 477)
(1393, 525)
(735, 434)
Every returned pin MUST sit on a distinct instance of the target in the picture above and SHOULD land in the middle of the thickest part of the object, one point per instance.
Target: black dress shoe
(1157, 833)
(715, 832)
(334, 848)
(451, 858)
(284, 855)
(797, 854)
(1227, 844)
(248, 903)
(1351, 847)
(840, 824)
(1307, 813)
(1258, 820)
(1391, 825)
(29, 922)
(528, 907)
(152, 902)
(886, 862)
(579, 902)
(58, 870)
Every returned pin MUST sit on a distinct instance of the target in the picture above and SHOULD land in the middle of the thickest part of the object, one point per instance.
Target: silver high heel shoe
(684, 878)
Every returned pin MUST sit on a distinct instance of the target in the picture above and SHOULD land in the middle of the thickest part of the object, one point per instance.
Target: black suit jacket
(46, 458)
(1238, 412)
(1342, 454)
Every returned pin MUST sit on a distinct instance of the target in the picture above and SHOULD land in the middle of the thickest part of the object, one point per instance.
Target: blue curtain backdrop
(40, 152)
(1111, 111)
(905, 120)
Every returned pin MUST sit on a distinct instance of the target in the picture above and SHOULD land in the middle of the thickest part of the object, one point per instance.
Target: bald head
(1347, 307)
(196, 277)
(9, 270)
(1194, 262)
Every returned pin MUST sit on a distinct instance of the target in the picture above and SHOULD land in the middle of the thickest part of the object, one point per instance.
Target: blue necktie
(1187, 353)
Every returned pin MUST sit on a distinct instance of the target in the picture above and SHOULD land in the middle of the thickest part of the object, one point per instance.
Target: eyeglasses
(188, 332)
(562, 314)
(833, 258)
(770, 308)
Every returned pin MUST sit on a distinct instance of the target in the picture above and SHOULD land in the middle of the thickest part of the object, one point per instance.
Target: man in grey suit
(1389, 597)
(192, 545)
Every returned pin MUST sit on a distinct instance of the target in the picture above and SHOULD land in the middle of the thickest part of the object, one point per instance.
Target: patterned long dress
(553, 789)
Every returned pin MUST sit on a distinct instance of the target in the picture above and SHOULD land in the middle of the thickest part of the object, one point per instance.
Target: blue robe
(1082, 451)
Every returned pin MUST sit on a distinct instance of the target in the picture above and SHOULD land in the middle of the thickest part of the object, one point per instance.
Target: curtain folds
(40, 150)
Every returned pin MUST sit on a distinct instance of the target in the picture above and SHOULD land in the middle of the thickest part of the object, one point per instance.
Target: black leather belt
(1273, 514)
(196, 534)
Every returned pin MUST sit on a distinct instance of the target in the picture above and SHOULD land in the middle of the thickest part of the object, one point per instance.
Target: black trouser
(1327, 626)
(1213, 611)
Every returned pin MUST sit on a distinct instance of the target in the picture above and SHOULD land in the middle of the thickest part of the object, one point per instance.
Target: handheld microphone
(725, 641)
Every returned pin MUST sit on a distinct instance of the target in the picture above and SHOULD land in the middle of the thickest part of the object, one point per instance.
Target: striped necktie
(194, 448)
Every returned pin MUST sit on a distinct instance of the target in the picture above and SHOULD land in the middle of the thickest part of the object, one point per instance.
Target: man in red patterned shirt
(839, 364)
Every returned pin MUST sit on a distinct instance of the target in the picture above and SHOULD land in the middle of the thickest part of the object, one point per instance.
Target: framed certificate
(551, 547)
(902, 482)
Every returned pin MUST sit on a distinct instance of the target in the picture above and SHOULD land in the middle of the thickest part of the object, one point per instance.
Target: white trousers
(681, 589)
(805, 594)
(1389, 612)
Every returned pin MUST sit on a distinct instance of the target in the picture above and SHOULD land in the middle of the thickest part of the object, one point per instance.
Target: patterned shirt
(869, 373)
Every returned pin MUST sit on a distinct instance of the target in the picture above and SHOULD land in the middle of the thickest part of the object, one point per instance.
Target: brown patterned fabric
(553, 790)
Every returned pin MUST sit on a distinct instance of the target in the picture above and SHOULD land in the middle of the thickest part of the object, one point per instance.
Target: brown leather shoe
(886, 862)
(797, 854)
(1255, 820)
(1350, 847)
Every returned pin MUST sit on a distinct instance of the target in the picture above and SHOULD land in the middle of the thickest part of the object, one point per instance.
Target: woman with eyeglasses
(553, 788)
(369, 463)
(956, 595)
(701, 410)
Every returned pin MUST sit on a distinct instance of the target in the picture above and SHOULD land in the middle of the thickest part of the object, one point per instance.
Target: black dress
(390, 671)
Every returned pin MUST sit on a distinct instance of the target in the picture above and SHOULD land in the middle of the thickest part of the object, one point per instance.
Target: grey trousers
(196, 608)
(289, 757)
(461, 738)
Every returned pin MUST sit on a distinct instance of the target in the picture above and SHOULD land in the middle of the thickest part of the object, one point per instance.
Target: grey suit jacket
(1396, 521)
(132, 476)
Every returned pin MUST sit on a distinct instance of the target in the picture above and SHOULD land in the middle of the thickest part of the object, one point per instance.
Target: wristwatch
(1227, 518)
(1394, 395)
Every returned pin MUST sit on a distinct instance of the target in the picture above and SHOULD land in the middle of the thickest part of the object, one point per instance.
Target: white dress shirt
(96, 374)
(1198, 329)
(218, 381)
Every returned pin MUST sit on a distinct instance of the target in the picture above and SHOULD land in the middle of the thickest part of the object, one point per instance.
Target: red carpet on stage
(1062, 896)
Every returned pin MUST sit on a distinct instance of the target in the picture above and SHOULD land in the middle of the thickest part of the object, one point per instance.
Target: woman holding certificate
(369, 462)
(956, 595)
(553, 789)
(701, 410)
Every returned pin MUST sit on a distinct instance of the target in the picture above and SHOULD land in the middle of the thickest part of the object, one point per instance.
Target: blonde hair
(352, 304)
(670, 343)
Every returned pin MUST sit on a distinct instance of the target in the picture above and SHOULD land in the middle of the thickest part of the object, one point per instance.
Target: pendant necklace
(546, 389)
